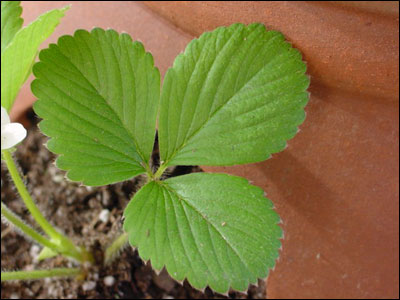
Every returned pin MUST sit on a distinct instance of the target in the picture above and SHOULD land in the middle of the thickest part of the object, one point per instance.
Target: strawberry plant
(234, 96)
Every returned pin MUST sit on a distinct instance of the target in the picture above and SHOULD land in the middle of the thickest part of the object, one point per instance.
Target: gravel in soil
(91, 217)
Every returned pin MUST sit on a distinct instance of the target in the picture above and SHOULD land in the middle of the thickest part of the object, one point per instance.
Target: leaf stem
(26, 229)
(64, 244)
(30, 204)
(117, 245)
(160, 171)
(38, 274)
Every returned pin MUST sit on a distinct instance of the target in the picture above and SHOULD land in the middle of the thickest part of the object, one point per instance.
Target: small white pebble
(58, 178)
(109, 281)
(52, 170)
(104, 215)
(34, 251)
(29, 293)
(47, 280)
(52, 291)
(88, 286)
(60, 212)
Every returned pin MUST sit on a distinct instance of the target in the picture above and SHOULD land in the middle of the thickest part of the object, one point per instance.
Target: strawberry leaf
(235, 96)
(19, 54)
(98, 94)
(213, 229)
(11, 21)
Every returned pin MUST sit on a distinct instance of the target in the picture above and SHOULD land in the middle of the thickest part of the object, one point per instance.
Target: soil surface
(91, 217)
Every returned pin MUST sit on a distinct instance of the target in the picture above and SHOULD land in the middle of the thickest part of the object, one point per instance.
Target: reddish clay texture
(336, 186)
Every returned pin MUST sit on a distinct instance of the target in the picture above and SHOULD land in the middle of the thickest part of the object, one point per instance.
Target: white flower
(11, 133)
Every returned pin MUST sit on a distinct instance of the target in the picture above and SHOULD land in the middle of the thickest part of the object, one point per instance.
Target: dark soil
(75, 210)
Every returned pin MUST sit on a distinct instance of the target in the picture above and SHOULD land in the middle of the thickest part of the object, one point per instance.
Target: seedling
(235, 96)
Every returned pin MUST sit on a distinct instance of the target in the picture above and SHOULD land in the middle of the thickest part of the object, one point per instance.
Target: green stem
(64, 245)
(149, 172)
(38, 274)
(29, 231)
(160, 171)
(116, 246)
(30, 204)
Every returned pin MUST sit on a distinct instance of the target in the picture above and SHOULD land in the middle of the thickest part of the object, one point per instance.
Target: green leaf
(98, 94)
(213, 229)
(235, 96)
(17, 58)
(11, 21)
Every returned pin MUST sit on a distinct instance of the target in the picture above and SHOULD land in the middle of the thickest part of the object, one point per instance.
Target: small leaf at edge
(11, 21)
(18, 56)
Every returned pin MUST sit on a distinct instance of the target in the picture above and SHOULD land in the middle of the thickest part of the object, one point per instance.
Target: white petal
(5, 119)
(12, 134)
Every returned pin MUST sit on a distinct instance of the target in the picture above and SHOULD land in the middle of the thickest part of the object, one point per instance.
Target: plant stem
(116, 246)
(38, 274)
(160, 171)
(30, 204)
(29, 231)
(64, 245)
(149, 172)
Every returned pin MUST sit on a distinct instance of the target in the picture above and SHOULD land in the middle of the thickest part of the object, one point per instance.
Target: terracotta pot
(336, 186)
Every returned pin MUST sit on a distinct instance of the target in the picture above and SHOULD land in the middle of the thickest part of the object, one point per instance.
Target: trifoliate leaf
(213, 229)
(19, 55)
(98, 94)
(11, 21)
(235, 96)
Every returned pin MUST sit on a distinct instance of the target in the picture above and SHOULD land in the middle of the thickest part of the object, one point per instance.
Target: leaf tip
(66, 8)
